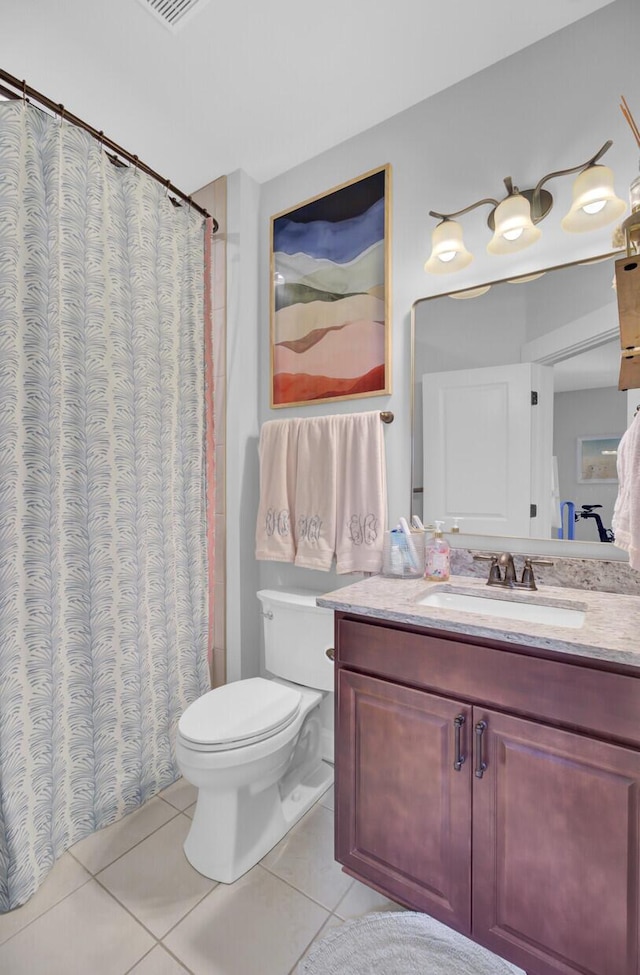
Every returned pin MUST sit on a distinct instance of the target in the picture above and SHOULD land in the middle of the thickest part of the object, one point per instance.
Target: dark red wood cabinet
(496, 789)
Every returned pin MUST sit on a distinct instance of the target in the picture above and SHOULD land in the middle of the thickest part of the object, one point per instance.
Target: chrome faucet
(502, 571)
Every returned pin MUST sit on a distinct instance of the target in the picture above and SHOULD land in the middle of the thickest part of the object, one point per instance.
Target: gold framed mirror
(506, 469)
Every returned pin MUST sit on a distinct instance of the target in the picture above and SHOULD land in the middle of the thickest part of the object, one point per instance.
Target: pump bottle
(437, 556)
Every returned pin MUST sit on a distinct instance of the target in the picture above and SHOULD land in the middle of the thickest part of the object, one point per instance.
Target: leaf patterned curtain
(103, 574)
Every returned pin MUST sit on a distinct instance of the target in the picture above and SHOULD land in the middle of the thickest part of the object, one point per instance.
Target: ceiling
(245, 84)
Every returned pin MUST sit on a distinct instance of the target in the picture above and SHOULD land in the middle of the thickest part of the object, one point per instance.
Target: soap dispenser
(438, 557)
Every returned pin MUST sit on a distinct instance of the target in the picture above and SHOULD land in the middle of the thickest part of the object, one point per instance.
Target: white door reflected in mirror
(488, 449)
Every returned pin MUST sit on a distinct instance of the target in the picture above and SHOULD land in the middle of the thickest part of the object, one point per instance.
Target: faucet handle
(528, 578)
(494, 568)
(494, 571)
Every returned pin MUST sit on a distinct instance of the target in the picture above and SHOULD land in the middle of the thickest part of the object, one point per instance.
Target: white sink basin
(505, 608)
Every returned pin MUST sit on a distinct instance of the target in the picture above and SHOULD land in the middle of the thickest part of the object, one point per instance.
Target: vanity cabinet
(407, 824)
(494, 788)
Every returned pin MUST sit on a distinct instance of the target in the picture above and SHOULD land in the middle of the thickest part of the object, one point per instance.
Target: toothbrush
(413, 555)
(416, 522)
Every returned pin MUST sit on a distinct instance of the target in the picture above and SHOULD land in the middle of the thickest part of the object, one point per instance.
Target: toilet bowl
(254, 748)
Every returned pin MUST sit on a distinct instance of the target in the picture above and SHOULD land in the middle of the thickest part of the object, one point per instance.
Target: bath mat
(400, 943)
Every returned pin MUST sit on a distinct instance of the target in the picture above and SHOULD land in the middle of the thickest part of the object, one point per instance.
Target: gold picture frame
(330, 295)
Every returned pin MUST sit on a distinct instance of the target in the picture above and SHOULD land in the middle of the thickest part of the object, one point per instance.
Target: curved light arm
(458, 213)
(575, 169)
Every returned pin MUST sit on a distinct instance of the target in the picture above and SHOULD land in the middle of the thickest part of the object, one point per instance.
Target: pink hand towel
(315, 499)
(278, 451)
(626, 512)
(361, 506)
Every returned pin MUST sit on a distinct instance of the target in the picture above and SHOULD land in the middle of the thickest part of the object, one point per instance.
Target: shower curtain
(103, 559)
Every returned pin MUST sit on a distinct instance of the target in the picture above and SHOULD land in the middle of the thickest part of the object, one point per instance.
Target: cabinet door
(402, 810)
(555, 849)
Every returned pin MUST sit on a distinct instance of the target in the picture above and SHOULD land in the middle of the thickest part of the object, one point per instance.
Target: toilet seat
(239, 714)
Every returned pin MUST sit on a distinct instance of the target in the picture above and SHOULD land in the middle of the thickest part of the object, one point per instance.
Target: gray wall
(548, 107)
(586, 413)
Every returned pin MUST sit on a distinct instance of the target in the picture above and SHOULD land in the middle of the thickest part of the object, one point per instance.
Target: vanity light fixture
(514, 220)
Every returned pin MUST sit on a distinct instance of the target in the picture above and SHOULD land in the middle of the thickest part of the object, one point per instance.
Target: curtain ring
(24, 90)
(61, 112)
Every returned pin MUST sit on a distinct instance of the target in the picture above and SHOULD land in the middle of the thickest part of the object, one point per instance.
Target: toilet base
(231, 831)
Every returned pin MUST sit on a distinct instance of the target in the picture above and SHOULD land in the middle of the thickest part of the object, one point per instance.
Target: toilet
(254, 748)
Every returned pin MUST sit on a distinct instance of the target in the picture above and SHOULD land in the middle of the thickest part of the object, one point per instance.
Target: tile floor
(126, 900)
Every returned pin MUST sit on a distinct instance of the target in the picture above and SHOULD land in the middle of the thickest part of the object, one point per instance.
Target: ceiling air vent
(173, 13)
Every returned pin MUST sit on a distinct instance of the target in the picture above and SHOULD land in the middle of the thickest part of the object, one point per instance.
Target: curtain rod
(26, 91)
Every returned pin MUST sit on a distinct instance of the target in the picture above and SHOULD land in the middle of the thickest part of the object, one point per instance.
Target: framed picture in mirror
(330, 330)
(597, 458)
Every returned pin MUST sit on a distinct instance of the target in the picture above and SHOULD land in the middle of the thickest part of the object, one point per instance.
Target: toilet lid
(240, 712)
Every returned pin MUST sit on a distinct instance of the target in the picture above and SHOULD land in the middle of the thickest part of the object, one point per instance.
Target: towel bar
(386, 416)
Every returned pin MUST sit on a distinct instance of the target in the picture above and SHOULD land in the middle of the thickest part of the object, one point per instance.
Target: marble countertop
(611, 628)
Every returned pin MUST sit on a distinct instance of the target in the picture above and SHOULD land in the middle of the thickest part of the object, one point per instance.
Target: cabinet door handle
(458, 758)
(480, 765)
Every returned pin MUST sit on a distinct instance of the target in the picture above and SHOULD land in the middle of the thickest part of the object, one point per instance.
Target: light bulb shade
(471, 292)
(448, 252)
(514, 228)
(591, 187)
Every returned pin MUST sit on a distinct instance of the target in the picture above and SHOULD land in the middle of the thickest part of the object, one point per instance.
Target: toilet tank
(297, 634)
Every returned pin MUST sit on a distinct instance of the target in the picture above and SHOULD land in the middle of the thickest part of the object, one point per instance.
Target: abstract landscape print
(330, 295)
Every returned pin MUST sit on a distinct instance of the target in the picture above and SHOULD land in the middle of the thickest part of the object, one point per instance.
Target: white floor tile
(86, 932)
(105, 846)
(332, 922)
(158, 962)
(257, 926)
(261, 924)
(181, 794)
(155, 881)
(65, 877)
(361, 899)
(304, 858)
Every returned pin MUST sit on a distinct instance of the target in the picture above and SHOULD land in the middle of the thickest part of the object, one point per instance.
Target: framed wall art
(597, 458)
(330, 295)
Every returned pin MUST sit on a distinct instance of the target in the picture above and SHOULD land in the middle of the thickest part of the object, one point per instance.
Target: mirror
(476, 454)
